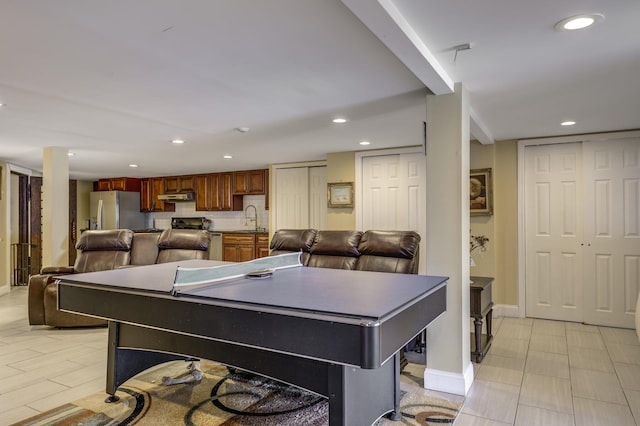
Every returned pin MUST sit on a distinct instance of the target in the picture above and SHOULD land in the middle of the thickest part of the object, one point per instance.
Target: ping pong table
(334, 332)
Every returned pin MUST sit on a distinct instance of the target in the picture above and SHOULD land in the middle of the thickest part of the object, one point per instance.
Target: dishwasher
(215, 247)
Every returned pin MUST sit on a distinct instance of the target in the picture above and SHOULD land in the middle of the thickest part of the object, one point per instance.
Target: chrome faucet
(255, 216)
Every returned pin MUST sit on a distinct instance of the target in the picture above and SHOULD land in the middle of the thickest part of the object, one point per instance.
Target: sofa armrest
(57, 270)
(37, 285)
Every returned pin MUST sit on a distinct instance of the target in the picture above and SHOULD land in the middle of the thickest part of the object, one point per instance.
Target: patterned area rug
(228, 398)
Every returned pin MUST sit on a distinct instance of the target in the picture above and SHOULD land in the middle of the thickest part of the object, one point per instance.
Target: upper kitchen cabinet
(249, 182)
(149, 190)
(176, 184)
(214, 192)
(119, 184)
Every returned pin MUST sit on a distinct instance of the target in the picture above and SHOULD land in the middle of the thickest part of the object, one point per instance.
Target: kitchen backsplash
(220, 221)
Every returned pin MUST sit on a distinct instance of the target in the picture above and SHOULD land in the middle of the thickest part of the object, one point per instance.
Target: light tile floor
(541, 372)
(537, 372)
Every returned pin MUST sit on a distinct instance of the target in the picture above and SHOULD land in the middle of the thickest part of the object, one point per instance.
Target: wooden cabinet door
(229, 253)
(246, 252)
(145, 195)
(174, 184)
(248, 182)
(225, 190)
(119, 184)
(238, 247)
(203, 192)
(262, 245)
(157, 188)
(104, 185)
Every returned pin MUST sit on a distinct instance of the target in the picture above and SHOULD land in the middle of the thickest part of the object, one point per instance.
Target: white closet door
(612, 231)
(318, 197)
(393, 194)
(553, 223)
(291, 198)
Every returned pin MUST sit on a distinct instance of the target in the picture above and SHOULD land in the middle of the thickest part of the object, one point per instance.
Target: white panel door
(612, 231)
(318, 197)
(291, 198)
(553, 224)
(393, 194)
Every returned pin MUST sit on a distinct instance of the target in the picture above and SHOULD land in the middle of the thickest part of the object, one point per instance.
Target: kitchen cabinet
(248, 182)
(176, 184)
(225, 186)
(119, 184)
(262, 245)
(238, 247)
(206, 192)
(245, 246)
(214, 192)
(149, 190)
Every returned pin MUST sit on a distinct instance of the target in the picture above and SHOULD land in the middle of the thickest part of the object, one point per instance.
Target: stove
(190, 223)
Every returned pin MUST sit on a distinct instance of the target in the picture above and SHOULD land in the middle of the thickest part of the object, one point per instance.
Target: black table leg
(359, 396)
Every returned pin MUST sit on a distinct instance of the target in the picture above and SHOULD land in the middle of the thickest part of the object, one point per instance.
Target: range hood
(175, 198)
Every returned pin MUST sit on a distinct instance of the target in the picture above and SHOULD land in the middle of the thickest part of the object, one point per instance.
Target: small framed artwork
(340, 194)
(480, 192)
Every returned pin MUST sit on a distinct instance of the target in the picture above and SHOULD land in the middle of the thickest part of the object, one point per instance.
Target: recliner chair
(183, 244)
(99, 250)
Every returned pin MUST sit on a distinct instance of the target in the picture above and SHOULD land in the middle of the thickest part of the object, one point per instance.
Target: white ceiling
(114, 81)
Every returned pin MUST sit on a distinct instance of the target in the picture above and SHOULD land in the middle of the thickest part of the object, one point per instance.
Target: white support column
(449, 366)
(55, 207)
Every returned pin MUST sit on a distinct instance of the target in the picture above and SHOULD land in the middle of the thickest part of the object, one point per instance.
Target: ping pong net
(188, 278)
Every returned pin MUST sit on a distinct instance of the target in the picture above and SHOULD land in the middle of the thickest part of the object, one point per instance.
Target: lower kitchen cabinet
(244, 247)
(262, 245)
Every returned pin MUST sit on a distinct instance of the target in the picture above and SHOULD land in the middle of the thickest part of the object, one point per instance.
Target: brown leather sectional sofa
(379, 251)
(104, 250)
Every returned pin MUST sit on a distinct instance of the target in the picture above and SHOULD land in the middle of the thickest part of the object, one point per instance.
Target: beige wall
(341, 168)
(501, 258)
(84, 187)
(5, 231)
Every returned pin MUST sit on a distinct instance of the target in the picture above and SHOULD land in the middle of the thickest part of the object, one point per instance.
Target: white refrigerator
(116, 210)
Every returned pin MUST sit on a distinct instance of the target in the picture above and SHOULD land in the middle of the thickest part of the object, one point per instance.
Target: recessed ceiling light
(71, 154)
(365, 143)
(177, 141)
(568, 123)
(340, 120)
(1, 104)
(242, 129)
(133, 166)
(578, 22)
(227, 157)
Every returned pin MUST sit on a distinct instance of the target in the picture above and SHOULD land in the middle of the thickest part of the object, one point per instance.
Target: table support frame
(356, 395)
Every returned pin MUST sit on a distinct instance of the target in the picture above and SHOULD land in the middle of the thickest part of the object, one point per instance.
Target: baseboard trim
(512, 311)
(446, 381)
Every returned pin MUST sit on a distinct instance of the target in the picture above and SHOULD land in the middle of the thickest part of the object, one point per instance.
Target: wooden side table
(481, 306)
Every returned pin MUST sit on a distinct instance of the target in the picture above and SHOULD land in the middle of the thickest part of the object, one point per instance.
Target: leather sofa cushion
(335, 249)
(101, 250)
(337, 243)
(144, 250)
(286, 240)
(184, 239)
(108, 239)
(390, 243)
(293, 240)
(183, 244)
(389, 251)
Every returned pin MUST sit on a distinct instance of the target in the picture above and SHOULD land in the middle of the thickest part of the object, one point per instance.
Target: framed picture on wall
(480, 192)
(340, 194)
